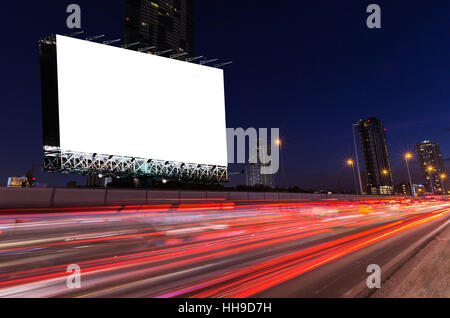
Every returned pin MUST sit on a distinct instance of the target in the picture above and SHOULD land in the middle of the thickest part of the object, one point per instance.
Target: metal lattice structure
(56, 160)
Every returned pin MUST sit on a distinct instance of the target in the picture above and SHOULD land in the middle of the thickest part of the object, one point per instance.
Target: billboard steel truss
(59, 161)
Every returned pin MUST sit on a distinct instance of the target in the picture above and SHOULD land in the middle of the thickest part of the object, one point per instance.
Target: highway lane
(208, 249)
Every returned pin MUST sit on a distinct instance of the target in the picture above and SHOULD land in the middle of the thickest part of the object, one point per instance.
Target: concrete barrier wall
(59, 197)
(79, 197)
(285, 196)
(193, 195)
(125, 197)
(163, 195)
(238, 196)
(217, 195)
(25, 198)
(256, 196)
(269, 196)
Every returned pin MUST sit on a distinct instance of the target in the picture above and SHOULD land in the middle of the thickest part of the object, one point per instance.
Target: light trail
(215, 249)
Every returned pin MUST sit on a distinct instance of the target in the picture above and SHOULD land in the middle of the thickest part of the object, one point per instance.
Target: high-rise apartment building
(432, 167)
(254, 177)
(166, 24)
(375, 153)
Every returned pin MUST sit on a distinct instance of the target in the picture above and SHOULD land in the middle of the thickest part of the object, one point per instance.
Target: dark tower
(375, 152)
(432, 167)
(166, 24)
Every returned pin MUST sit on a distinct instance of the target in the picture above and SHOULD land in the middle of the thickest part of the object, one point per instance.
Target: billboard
(120, 102)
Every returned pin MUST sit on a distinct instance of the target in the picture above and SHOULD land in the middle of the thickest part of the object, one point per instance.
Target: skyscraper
(254, 176)
(432, 167)
(166, 24)
(375, 152)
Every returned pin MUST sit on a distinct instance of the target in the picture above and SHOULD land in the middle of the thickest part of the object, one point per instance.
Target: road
(211, 249)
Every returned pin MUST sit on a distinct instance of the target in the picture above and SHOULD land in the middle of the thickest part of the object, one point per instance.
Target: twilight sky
(310, 68)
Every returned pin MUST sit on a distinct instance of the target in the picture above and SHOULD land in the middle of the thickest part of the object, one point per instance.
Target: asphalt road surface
(210, 249)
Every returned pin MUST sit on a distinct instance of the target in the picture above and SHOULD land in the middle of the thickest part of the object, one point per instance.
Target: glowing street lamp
(443, 178)
(279, 143)
(385, 172)
(408, 157)
(351, 163)
(430, 169)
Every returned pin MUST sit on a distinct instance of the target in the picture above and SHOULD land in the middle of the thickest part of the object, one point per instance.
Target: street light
(408, 157)
(385, 172)
(279, 143)
(351, 163)
(357, 159)
(443, 177)
(430, 169)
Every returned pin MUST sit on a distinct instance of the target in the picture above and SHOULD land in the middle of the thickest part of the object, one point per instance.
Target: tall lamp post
(351, 163)
(443, 178)
(408, 157)
(430, 170)
(279, 143)
(357, 159)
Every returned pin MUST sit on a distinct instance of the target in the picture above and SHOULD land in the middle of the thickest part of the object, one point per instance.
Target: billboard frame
(67, 162)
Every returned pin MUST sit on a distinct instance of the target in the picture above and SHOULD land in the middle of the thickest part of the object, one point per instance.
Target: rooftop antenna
(223, 64)
(146, 49)
(208, 61)
(163, 52)
(126, 46)
(111, 41)
(174, 56)
(93, 38)
(191, 59)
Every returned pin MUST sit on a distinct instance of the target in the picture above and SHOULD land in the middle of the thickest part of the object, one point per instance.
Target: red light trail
(205, 249)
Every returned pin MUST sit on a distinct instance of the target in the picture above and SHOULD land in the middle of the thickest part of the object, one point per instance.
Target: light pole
(351, 163)
(408, 156)
(357, 159)
(443, 177)
(279, 143)
(430, 170)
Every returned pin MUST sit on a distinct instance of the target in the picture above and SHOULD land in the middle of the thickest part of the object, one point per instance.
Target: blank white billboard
(120, 102)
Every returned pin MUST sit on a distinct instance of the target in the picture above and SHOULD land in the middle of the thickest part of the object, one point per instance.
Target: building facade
(419, 190)
(166, 24)
(432, 167)
(375, 153)
(18, 182)
(254, 177)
